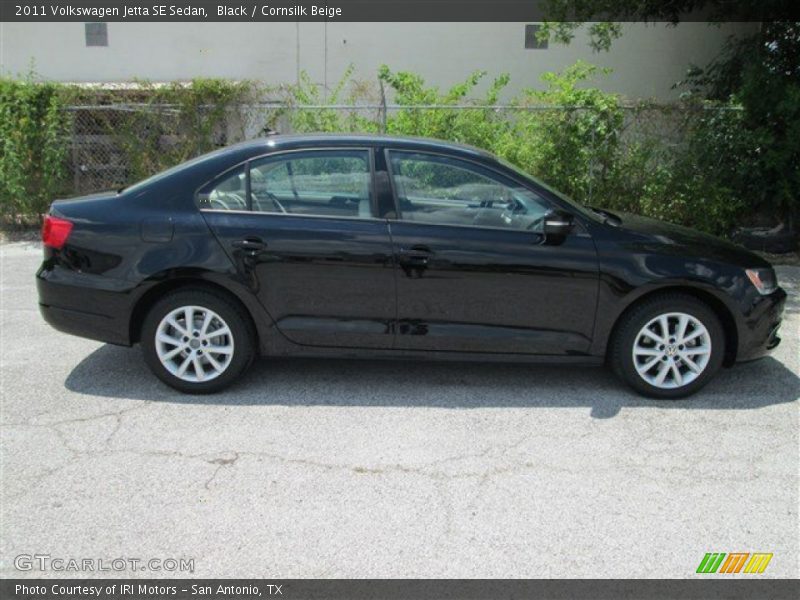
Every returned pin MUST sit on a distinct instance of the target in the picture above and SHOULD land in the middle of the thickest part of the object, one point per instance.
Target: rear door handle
(250, 244)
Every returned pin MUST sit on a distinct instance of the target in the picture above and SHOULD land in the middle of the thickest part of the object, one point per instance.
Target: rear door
(475, 271)
(299, 226)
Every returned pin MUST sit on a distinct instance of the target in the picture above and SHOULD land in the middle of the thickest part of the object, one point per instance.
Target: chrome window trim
(399, 218)
(288, 215)
(246, 165)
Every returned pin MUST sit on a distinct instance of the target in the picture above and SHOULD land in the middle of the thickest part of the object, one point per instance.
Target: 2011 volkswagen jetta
(348, 246)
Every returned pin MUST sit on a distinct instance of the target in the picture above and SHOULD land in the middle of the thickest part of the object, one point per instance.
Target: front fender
(615, 298)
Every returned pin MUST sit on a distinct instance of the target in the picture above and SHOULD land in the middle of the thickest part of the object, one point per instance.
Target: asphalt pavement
(333, 468)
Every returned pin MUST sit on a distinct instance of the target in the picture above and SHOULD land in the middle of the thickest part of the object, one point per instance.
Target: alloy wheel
(194, 343)
(672, 350)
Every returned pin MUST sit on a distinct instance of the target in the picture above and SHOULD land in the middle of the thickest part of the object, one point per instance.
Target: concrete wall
(646, 61)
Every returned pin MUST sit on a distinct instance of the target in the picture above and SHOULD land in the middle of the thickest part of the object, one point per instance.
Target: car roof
(201, 169)
(275, 142)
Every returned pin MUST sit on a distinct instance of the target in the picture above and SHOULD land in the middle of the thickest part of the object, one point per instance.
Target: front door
(476, 274)
(299, 226)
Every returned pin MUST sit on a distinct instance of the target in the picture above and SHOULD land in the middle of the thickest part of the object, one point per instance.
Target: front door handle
(416, 256)
(250, 244)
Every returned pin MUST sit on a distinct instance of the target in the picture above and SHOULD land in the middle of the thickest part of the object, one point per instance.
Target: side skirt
(371, 353)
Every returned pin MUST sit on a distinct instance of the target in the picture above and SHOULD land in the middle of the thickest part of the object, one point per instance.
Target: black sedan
(367, 246)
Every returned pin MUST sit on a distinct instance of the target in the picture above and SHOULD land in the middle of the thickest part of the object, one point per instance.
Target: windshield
(585, 211)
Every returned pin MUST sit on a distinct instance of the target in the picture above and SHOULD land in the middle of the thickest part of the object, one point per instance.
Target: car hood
(688, 242)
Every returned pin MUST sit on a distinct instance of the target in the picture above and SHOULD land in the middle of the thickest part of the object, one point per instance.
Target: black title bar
(705, 588)
(339, 10)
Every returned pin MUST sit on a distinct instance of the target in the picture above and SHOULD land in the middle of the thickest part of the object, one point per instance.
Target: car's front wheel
(197, 341)
(668, 347)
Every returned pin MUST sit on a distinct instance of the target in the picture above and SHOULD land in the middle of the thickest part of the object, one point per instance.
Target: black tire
(233, 315)
(631, 323)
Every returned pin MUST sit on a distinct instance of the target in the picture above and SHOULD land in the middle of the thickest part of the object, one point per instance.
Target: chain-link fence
(116, 144)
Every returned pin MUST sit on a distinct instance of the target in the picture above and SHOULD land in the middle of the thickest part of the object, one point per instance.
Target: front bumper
(759, 335)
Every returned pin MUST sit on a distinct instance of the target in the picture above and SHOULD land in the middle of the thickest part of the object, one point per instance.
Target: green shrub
(175, 122)
(712, 186)
(701, 165)
(479, 127)
(164, 126)
(322, 120)
(566, 134)
(33, 148)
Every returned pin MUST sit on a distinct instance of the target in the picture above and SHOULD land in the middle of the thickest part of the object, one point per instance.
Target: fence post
(382, 110)
(591, 163)
(76, 167)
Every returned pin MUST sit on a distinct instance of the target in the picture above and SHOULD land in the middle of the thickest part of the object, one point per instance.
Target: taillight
(55, 231)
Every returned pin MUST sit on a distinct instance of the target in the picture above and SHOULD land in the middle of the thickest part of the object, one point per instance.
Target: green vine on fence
(568, 132)
(576, 137)
(175, 122)
(33, 148)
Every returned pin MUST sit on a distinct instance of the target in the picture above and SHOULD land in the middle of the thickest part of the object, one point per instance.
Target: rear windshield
(171, 171)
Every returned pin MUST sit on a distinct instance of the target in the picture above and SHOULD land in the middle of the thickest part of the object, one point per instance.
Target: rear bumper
(760, 334)
(87, 325)
(84, 311)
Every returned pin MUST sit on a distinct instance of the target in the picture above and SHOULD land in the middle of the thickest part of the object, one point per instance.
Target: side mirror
(557, 224)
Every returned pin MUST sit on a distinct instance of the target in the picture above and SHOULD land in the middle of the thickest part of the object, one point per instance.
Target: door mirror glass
(557, 224)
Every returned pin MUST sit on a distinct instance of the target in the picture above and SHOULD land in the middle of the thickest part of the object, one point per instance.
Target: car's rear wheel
(197, 341)
(668, 347)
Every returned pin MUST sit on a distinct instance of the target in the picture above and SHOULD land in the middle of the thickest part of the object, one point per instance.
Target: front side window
(445, 191)
(321, 183)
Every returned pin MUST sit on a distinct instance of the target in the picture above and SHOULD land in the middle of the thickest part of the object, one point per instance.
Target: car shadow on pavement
(116, 372)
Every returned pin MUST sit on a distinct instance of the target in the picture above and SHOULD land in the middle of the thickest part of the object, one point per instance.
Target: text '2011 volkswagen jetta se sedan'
(348, 246)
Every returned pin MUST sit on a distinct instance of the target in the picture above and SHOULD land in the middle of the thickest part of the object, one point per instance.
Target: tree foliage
(33, 146)
(576, 137)
(175, 122)
(759, 73)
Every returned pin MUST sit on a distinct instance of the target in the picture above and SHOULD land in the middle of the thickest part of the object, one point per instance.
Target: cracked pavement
(313, 468)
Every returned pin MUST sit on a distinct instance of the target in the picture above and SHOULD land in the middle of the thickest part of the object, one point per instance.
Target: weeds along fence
(675, 162)
(117, 144)
(113, 145)
(694, 162)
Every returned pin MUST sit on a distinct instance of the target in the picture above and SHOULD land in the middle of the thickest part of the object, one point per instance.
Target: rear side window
(332, 183)
(228, 192)
(323, 183)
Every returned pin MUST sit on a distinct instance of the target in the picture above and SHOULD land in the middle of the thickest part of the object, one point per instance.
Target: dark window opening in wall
(531, 42)
(97, 34)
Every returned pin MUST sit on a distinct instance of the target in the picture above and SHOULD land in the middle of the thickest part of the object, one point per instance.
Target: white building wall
(646, 61)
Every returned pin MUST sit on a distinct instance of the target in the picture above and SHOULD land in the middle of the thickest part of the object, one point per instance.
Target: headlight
(764, 280)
